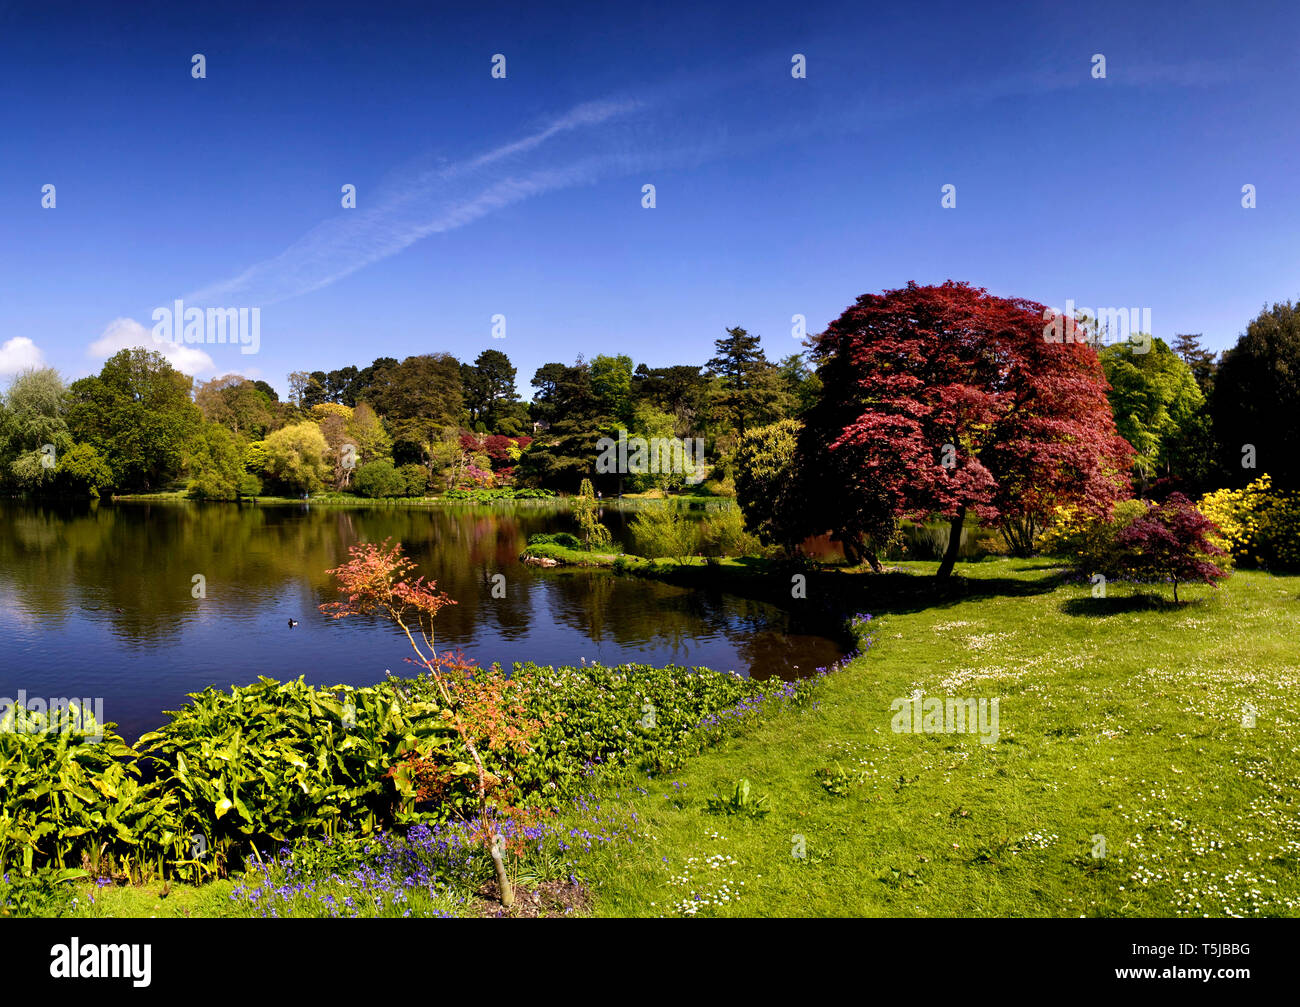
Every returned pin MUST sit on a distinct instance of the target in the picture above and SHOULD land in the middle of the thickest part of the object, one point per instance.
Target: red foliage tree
(1171, 541)
(939, 400)
(485, 708)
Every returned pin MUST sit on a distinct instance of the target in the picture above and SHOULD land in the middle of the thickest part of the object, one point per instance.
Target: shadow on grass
(900, 592)
(838, 591)
(1144, 601)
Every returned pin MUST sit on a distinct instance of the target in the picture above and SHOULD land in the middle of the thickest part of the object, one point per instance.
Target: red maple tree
(939, 400)
(1172, 542)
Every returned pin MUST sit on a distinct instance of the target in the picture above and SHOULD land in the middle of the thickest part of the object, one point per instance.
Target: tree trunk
(503, 882)
(874, 560)
(954, 544)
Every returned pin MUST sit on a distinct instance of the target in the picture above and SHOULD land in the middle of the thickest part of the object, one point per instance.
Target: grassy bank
(1123, 718)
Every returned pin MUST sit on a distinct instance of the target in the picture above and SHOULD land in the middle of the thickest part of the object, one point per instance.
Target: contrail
(434, 201)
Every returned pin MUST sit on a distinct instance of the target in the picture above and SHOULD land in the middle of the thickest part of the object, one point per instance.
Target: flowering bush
(1142, 541)
(1259, 526)
(1089, 541)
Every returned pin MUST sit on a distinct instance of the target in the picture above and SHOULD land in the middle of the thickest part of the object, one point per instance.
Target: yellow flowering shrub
(1085, 538)
(1259, 525)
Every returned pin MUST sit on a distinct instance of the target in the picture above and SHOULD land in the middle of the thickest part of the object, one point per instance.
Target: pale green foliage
(649, 423)
(32, 417)
(84, 470)
(666, 531)
(722, 533)
(587, 511)
(298, 457)
(216, 464)
(767, 483)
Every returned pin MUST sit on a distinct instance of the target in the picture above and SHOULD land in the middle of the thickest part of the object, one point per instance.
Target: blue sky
(775, 196)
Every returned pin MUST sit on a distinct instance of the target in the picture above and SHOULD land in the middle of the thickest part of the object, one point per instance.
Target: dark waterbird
(292, 623)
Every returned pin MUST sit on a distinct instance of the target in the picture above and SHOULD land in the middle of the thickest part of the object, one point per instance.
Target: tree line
(428, 423)
(913, 401)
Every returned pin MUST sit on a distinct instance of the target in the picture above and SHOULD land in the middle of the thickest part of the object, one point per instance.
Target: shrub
(1170, 542)
(723, 533)
(1259, 526)
(1087, 540)
(270, 761)
(415, 479)
(379, 479)
(767, 484)
(562, 538)
(665, 531)
(587, 510)
(72, 796)
(1143, 541)
(296, 458)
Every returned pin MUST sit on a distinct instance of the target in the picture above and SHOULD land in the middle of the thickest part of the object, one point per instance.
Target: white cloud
(126, 333)
(18, 354)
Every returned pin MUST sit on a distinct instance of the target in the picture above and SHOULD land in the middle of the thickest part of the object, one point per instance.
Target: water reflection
(99, 601)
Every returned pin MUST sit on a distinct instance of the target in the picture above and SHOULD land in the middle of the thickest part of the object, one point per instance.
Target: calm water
(95, 601)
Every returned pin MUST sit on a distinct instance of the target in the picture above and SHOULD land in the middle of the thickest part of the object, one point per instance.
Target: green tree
(799, 383)
(667, 530)
(489, 388)
(237, 404)
(138, 415)
(33, 431)
(747, 380)
(1158, 408)
(611, 383)
(1204, 363)
(680, 390)
(83, 472)
(216, 464)
(379, 479)
(565, 454)
(1256, 401)
(297, 458)
(417, 398)
(768, 484)
(649, 422)
(586, 509)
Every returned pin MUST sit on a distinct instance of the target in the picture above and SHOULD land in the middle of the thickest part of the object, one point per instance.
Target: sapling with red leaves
(376, 580)
(1172, 541)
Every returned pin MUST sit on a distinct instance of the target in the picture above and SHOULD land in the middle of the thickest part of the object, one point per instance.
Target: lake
(97, 601)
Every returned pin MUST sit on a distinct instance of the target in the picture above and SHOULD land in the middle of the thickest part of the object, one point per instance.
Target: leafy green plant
(587, 510)
(741, 802)
(72, 797)
(666, 531)
(272, 760)
(834, 781)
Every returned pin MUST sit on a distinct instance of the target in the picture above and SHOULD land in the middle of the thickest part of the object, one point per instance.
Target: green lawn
(1119, 718)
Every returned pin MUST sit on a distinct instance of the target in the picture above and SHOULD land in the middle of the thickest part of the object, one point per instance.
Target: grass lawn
(1119, 718)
